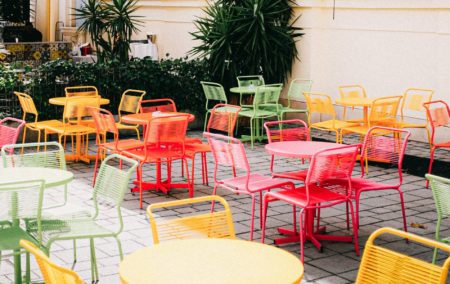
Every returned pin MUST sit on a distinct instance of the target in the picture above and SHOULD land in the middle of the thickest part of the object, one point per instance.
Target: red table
(302, 150)
(145, 119)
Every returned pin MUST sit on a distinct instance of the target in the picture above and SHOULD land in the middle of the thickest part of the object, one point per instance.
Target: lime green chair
(295, 94)
(109, 190)
(265, 105)
(441, 194)
(251, 81)
(215, 94)
(20, 201)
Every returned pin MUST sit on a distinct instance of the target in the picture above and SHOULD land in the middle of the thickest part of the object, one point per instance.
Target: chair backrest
(438, 114)
(287, 130)
(319, 104)
(162, 105)
(440, 187)
(81, 91)
(383, 265)
(385, 145)
(267, 95)
(223, 118)
(130, 102)
(413, 100)
(27, 105)
(297, 88)
(213, 92)
(332, 164)
(250, 80)
(352, 91)
(51, 272)
(76, 108)
(9, 130)
(104, 123)
(384, 110)
(217, 224)
(167, 130)
(44, 154)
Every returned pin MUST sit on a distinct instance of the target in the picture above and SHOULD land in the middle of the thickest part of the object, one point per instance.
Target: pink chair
(385, 145)
(327, 184)
(10, 128)
(438, 114)
(287, 130)
(229, 153)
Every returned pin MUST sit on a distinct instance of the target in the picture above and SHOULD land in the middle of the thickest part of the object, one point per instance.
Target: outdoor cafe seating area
(245, 200)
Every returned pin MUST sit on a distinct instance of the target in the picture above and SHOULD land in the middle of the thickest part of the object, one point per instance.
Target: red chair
(104, 124)
(10, 128)
(327, 184)
(438, 114)
(287, 130)
(385, 145)
(163, 143)
(222, 119)
(162, 105)
(229, 152)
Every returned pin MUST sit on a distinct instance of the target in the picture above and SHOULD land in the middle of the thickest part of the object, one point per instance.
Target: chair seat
(123, 145)
(299, 175)
(10, 238)
(153, 155)
(404, 124)
(78, 229)
(257, 182)
(71, 129)
(290, 109)
(120, 125)
(332, 124)
(41, 125)
(367, 184)
(192, 140)
(442, 145)
(259, 113)
(191, 149)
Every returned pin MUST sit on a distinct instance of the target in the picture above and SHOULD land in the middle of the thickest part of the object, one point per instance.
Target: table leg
(366, 115)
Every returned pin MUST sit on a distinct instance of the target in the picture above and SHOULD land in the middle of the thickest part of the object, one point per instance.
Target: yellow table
(61, 101)
(199, 261)
(358, 102)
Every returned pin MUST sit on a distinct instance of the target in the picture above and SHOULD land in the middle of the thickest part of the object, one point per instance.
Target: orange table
(358, 102)
(61, 101)
(145, 119)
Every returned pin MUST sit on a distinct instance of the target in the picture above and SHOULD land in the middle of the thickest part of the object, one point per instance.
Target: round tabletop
(365, 102)
(52, 177)
(144, 118)
(198, 261)
(243, 90)
(61, 101)
(299, 149)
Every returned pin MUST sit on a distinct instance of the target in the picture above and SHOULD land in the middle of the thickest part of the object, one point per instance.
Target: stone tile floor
(337, 263)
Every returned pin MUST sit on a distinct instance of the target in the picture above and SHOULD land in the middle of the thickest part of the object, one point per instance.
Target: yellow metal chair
(129, 104)
(216, 224)
(29, 109)
(321, 105)
(349, 92)
(81, 91)
(52, 273)
(412, 105)
(382, 265)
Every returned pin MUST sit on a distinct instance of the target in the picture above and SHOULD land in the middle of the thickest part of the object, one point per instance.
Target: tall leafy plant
(242, 37)
(110, 26)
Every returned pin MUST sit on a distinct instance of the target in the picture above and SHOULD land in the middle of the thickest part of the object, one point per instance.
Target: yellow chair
(412, 103)
(81, 91)
(349, 92)
(383, 112)
(129, 103)
(321, 105)
(29, 108)
(382, 265)
(217, 224)
(52, 273)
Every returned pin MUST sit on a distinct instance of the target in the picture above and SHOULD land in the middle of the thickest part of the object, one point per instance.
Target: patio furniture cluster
(325, 179)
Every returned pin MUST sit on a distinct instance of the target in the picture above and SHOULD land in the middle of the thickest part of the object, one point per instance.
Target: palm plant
(241, 37)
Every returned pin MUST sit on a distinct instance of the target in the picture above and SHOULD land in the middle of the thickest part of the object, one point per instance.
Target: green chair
(109, 190)
(249, 81)
(295, 93)
(19, 201)
(215, 94)
(441, 194)
(265, 105)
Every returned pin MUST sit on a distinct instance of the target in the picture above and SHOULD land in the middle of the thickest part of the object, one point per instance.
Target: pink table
(302, 150)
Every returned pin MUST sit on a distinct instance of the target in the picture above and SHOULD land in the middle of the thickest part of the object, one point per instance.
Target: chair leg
(402, 203)
(260, 209)
(251, 132)
(438, 232)
(96, 166)
(74, 253)
(346, 214)
(357, 195)
(213, 203)
(28, 268)
(430, 166)
(94, 268)
(137, 133)
(355, 230)
(302, 237)
(252, 221)
(206, 121)
(140, 185)
(119, 247)
(264, 217)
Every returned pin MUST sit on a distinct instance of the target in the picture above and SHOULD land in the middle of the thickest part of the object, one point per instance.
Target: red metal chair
(222, 119)
(104, 124)
(327, 184)
(287, 130)
(163, 143)
(438, 113)
(229, 152)
(10, 128)
(385, 145)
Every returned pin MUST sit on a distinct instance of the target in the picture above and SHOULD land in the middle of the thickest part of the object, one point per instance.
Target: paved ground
(336, 264)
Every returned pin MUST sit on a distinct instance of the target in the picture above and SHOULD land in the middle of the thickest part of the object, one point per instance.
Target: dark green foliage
(16, 11)
(248, 37)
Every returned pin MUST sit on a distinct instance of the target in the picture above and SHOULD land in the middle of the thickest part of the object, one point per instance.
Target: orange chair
(162, 105)
(129, 104)
(163, 143)
(104, 124)
(352, 91)
(81, 91)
